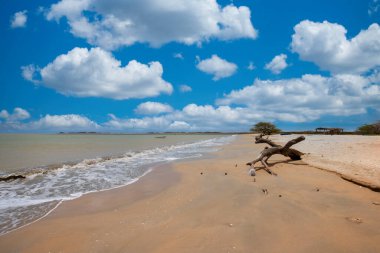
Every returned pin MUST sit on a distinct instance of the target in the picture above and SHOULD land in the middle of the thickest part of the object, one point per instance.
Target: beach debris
(354, 220)
(252, 172)
(11, 178)
(276, 149)
(230, 225)
(376, 203)
(279, 195)
(254, 180)
(235, 165)
(317, 189)
(265, 191)
(291, 153)
(201, 173)
(225, 173)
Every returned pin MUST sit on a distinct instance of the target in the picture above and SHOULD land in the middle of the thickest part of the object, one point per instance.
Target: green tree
(265, 128)
(369, 128)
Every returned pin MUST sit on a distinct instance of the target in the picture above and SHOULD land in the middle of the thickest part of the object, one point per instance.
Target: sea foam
(24, 201)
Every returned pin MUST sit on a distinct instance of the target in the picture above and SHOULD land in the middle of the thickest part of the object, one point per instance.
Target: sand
(354, 156)
(177, 209)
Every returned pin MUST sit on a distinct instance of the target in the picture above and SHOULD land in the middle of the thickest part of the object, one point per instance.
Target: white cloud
(112, 24)
(68, 122)
(326, 45)
(16, 121)
(4, 114)
(153, 108)
(96, 73)
(374, 7)
(251, 66)
(288, 100)
(18, 114)
(19, 19)
(178, 56)
(29, 73)
(217, 67)
(278, 64)
(179, 125)
(307, 98)
(185, 88)
(191, 118)
(138, 125)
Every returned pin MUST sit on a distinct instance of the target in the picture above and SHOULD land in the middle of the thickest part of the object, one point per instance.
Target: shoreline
(80, 196)
(23, 203)
(223, 209)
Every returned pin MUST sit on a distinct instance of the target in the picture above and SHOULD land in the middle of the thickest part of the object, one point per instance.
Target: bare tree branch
(276, 149)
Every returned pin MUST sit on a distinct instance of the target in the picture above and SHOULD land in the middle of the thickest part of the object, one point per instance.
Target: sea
(58, 167)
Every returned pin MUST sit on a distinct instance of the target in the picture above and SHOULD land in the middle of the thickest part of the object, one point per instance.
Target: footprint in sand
(354, 220)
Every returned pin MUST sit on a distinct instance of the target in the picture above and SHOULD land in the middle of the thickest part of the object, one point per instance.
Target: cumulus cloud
(112, 24)
(68, 122)
(217, 67)
(138, 124)
(374, 7)
(289, 100)
(327, 45)
(302, 99)
(251, 66)
(19, 19)
(18, 114)
(30, 72)
(192, 117)
(185, 88)
(179, 125)
(178, 56)
(96, 73)
(4, 114)
(278, 64)
(307, 98)
(17, 121)
(153, 108)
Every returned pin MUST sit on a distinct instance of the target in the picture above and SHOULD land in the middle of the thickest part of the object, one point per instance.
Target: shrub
(265, 128)
(369, 128)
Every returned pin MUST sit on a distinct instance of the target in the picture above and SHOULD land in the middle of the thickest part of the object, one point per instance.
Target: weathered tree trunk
(292, 153)
(276, 149)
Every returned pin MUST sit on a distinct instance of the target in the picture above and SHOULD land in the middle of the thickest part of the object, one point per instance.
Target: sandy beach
(213, 205)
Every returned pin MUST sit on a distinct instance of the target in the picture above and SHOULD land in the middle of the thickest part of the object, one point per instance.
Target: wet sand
(212, 205)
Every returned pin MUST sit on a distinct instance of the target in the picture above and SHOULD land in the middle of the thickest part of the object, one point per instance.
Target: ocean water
(63, 167)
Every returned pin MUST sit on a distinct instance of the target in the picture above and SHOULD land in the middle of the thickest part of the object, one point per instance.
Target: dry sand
(354, 156)
(178, 209)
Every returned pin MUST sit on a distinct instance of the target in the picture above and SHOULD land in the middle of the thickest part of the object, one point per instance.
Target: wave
(32, 193)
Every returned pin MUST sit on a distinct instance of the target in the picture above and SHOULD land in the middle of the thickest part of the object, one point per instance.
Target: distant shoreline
(152, 133)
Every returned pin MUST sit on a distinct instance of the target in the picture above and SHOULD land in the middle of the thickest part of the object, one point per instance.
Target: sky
(188, 65)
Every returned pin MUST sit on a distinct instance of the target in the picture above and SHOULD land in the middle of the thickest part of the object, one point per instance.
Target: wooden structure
(331, 131)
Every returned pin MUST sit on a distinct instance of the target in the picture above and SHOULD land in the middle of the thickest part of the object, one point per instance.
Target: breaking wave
(33, 193)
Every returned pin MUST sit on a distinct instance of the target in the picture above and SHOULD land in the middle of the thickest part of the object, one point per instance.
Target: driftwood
(291, 153)
(276, 149)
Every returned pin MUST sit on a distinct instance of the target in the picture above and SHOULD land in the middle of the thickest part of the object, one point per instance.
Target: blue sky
(204, 65)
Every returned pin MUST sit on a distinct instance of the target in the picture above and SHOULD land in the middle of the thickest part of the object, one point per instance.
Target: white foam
(90, 175)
